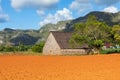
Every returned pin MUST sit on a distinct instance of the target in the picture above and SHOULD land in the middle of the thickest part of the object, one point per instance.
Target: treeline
(34, 48)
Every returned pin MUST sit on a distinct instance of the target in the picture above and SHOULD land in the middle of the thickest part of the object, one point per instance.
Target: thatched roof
(63, 38)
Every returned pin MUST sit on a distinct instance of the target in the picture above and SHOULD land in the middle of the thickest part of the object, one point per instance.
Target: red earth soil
(97, 67)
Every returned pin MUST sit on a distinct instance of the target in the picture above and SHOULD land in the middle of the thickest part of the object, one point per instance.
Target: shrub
(8, 49)
(14, 48)
(109, 51)
(38, 47)
(2, 48)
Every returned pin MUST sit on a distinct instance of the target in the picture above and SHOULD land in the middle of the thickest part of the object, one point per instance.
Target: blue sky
(33, 14)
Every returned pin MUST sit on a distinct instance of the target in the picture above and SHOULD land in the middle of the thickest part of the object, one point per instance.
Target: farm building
(58, 44)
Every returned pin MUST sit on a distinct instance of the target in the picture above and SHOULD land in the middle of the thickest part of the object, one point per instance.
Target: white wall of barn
(51, 47)
(74, 51)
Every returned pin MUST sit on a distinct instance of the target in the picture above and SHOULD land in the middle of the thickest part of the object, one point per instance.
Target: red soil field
(97, 67)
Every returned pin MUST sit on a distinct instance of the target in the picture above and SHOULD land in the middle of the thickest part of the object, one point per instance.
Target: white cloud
(111, 9)
(81, 5)
(19, 4)
(40, 12)
(84, 6)
(107, 2)
(82, 1)
(60, 15)
(4, 18)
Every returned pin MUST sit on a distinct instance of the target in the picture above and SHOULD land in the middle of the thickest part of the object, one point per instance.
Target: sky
(33, 14)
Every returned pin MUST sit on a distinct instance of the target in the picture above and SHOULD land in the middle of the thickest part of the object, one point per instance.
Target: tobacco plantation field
(94, 67)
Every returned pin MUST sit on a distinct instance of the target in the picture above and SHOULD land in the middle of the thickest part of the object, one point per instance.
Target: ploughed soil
(94, 67)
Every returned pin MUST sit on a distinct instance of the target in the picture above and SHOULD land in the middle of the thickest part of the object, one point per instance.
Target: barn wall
(74, 51)
(51, 47)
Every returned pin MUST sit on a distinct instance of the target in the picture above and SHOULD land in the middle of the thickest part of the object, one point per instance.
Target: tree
(22, 47)
(93, 33)
(38, 47)
(8, 49)
(116, 33)
(2, 48)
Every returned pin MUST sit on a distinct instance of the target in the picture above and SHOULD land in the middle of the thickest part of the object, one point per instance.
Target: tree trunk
(93, 51)
(96, 51)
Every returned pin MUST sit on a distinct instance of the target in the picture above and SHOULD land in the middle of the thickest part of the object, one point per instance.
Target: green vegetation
(113, 49)
(93, 33)
(116, 33)
(14, 48)
(96, 34)
(109, 51)
(38, 47)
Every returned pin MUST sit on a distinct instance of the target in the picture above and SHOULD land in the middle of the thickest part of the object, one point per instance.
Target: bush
(109, 51)
(14, 48)
(2, 48)
(8, 49)
(38, 47)
(22, 48)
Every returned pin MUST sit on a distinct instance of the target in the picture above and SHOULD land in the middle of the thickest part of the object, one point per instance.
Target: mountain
(60, 26)
(109, 18)
(30, 37)
(24, 39)
(14, 37)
